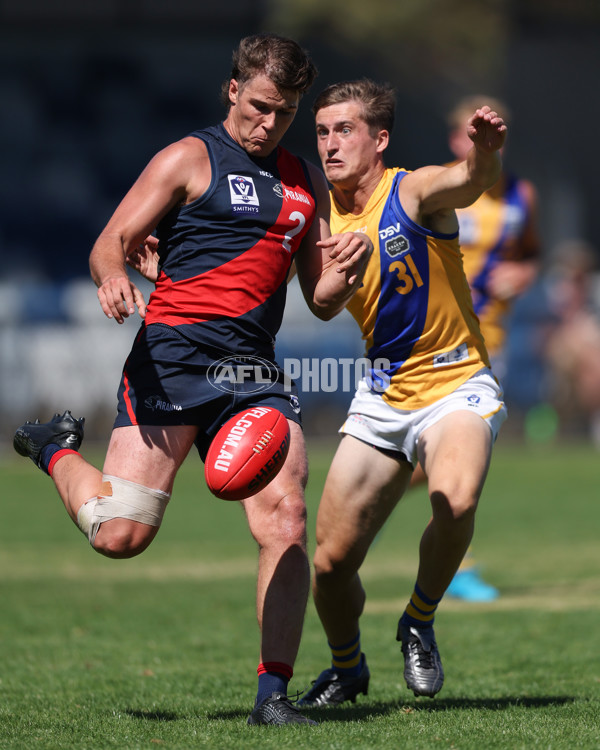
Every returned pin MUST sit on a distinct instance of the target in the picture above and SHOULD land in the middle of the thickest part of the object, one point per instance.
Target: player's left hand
(351, 251)
(487, 130)
(145, 259)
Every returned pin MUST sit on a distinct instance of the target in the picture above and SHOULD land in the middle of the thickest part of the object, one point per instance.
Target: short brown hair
(458, 116)
(378, 101)
(282, 60)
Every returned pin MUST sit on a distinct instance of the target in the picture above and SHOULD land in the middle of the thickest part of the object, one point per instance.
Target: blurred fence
(58, 351)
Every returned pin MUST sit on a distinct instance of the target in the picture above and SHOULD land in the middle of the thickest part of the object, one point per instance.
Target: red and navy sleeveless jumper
(225, 257)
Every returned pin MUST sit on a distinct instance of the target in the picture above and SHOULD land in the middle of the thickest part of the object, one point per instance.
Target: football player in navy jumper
(231, 210)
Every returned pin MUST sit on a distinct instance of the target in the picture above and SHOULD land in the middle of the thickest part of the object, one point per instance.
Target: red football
(247, 453)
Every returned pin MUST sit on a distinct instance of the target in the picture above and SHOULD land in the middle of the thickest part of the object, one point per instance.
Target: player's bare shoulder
(182, 169)
(188, 160)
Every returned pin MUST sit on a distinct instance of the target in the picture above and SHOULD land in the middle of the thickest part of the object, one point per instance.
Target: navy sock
(273, 677)
(268, 683)
(46, 455)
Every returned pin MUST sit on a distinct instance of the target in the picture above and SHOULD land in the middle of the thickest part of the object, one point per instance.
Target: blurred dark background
(90, 91)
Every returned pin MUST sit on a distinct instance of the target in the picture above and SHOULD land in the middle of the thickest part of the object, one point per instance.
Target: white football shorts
(375, 422)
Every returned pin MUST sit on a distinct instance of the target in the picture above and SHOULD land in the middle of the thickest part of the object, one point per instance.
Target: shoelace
(286, 704)
(425, 659)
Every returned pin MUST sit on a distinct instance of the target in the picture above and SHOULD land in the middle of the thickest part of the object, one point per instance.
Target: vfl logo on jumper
(449, 358)
(243, 194)
(254, 373)
(277, 189)
(395, 244)
(156, 403)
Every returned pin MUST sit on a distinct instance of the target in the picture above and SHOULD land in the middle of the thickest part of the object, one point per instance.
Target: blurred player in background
(573, 342)
(231, 210)
(435, 401)
(499, 238)
(500, 244)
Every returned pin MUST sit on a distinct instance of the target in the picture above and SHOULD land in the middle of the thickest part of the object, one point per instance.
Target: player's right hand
(351, 251)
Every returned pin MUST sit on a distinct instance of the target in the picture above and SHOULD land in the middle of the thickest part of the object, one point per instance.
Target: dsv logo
(255, 373)
(390, 231)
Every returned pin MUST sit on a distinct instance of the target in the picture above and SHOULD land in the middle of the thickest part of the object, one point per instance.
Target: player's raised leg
(119, 509)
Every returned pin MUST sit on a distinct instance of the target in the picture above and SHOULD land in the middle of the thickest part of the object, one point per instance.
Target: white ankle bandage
(120, 498)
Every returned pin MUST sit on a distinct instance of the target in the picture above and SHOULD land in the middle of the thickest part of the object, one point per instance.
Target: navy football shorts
(168, 380)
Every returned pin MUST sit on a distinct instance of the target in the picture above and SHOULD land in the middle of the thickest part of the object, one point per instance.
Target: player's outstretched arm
(432, 193)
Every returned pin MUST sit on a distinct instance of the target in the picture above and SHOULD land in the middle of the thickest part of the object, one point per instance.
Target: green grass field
(161, 650)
